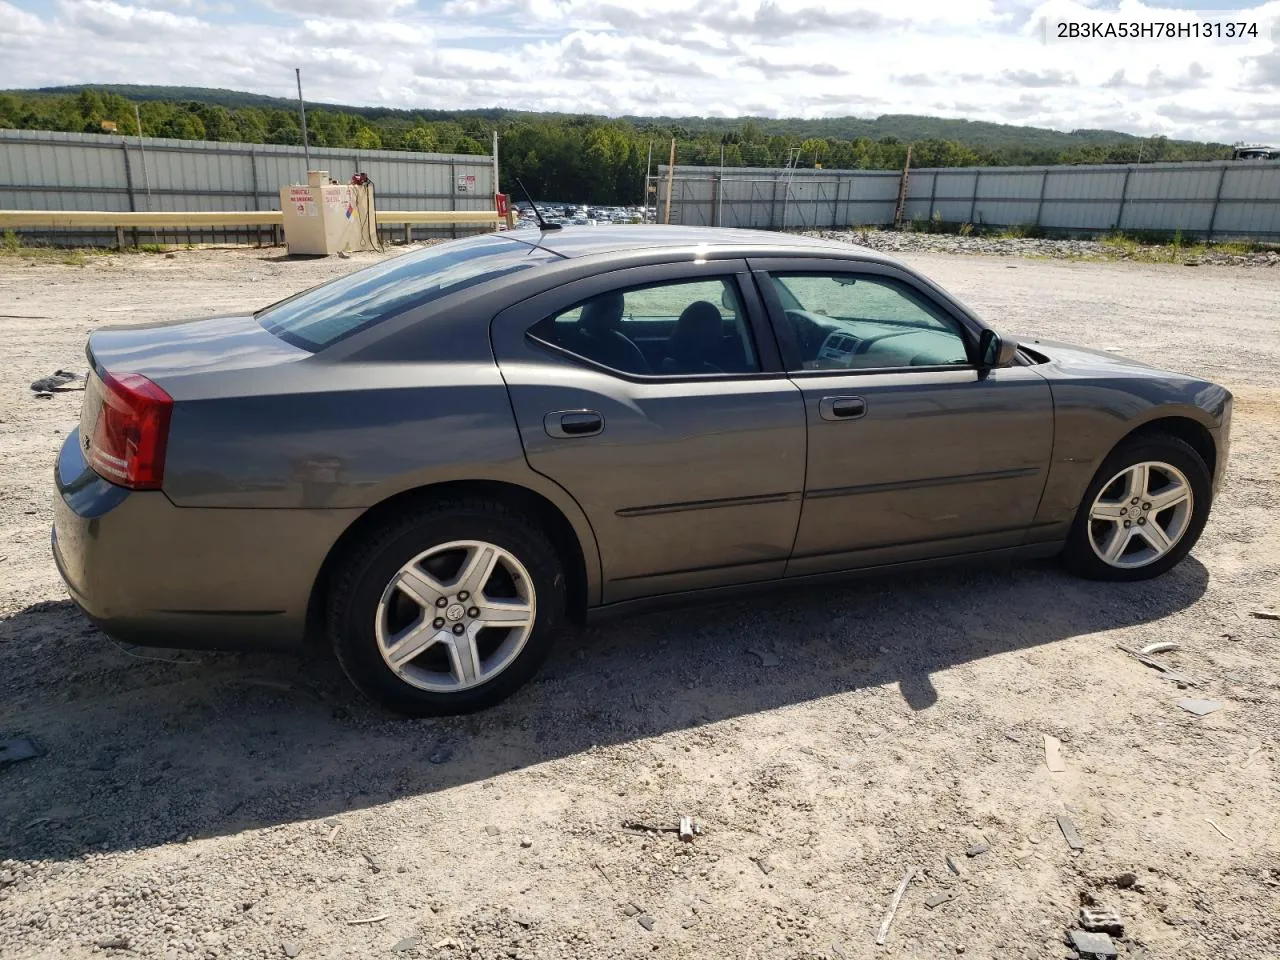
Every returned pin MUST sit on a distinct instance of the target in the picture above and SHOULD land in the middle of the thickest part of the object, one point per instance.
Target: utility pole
(900, 211)
(793, 160)
(720, 191)
(142, 149)
(648, 165)
(496, 189)
(671, 179)
(146, 177)
(302, 110)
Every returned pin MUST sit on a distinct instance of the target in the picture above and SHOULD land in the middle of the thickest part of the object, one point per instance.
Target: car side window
(689, 328)
(845, 321)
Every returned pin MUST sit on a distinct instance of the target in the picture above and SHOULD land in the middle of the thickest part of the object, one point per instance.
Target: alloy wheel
(1140, 514)
(455, 616)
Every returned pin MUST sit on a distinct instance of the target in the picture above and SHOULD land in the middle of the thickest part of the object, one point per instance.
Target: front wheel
(1143, 512)
(448, 609)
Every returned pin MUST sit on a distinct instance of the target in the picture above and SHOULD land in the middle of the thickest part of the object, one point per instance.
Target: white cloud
(20, 25)
(978, 59)
(105, 18)
(367, 33)
(339, 8)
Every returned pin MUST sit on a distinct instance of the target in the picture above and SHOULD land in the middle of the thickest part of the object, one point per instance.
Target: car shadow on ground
(143, 752)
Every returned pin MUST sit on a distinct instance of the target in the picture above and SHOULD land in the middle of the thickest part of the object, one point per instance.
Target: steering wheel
(809, 332)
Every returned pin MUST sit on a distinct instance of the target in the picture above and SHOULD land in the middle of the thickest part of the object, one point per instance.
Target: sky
(970, 59)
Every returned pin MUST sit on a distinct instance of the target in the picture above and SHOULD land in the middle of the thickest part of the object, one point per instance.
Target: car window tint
(323, 315)
(864, 322)
(689, 328)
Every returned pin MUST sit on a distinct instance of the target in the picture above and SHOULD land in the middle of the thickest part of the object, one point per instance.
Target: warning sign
(466, 183)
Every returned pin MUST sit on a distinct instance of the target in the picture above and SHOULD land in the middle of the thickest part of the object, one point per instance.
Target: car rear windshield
(320, 317)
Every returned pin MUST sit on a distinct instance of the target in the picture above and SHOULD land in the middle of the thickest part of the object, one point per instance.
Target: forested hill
(581, 157)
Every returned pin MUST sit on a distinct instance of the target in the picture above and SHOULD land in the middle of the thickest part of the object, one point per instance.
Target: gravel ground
(209, 806)
(906, 242)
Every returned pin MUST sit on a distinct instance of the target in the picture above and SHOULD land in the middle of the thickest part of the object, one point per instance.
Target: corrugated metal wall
(43, 170)
(1219, 198)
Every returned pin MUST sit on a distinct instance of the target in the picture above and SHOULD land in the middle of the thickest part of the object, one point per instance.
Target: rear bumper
(151, 573)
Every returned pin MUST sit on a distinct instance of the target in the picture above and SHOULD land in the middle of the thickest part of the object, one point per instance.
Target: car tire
(1173, 461)
(373, 601)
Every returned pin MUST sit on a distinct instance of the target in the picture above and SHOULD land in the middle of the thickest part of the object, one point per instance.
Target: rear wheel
(447, 610)
(1143, 512)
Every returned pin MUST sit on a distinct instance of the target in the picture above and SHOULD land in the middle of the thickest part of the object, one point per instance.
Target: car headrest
(601, 315)
(698, 330)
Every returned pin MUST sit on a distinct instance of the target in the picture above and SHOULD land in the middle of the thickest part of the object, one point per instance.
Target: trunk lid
(138, 373)
(163, 351)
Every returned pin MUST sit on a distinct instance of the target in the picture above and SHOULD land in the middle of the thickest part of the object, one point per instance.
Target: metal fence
(1216, 199)
(43, 170)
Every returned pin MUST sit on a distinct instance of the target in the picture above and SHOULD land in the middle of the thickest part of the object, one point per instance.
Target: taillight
(126, 421)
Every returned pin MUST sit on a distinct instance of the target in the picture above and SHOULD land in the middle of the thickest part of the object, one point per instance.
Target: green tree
(367, 138)
(217, 121)
(251, 125)
(586, 158)
(420, 138)
(10, 110)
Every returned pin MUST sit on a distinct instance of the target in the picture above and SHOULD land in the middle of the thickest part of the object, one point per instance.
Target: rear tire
(411, 636)
(1143, 512)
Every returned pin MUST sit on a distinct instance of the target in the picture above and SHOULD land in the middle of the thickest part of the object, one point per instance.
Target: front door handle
(842, 408)
(573, 423)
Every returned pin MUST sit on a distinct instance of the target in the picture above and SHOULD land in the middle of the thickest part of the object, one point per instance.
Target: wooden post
(973, 206)
(671, 179)
(902, 191)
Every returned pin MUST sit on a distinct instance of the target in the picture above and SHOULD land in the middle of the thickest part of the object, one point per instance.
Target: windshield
(320, 317)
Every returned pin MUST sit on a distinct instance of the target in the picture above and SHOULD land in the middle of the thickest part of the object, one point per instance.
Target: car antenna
(542, 224)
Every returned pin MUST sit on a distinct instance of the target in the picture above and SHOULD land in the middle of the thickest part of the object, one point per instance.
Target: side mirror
(995, 350)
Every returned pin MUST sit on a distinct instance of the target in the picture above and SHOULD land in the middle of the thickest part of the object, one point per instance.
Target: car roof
(573, 242)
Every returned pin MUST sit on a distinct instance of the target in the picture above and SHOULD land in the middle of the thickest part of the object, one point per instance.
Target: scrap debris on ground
(199, 813)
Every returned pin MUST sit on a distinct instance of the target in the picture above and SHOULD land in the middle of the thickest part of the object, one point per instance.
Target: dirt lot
(198, 805)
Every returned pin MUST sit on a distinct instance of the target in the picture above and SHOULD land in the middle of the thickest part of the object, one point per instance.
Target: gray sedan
(436, 463)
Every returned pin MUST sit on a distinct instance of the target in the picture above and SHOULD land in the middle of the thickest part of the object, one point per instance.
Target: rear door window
(320, 317)
(684, 328)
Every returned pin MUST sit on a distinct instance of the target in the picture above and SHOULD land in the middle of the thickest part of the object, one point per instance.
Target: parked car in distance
(437, 462)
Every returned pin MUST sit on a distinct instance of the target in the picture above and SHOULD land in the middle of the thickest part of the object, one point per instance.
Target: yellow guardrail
(445, 217)
(72, 219)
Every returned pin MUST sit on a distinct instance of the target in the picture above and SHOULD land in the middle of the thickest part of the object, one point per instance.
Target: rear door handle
(842, 408)
(573, 423)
